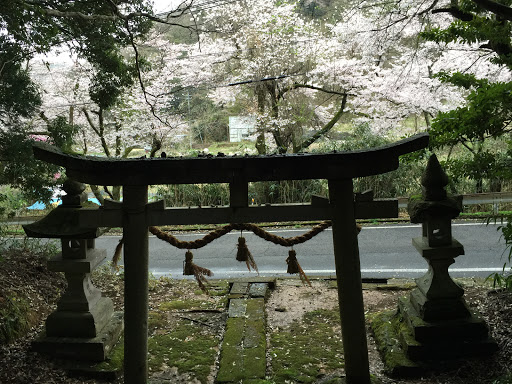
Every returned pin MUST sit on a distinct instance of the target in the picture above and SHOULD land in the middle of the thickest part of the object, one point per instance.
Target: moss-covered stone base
(388, 327)
(110, 369)
(443, 340)
(409, 345)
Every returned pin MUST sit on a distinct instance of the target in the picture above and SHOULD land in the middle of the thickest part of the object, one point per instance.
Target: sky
(62, 56)
(166, 5)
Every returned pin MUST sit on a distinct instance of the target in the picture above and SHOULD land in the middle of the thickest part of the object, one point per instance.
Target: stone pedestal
(424, 341)
(84, 326)
(438, 297)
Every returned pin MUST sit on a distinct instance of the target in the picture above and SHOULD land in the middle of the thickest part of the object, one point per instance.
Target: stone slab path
(243, 353)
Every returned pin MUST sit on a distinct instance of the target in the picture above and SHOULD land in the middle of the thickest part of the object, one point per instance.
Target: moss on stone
(231, 363)
(243, 354)
(388, 327)
(187, 348)
(181, 304)
(115, 360)
(219, 288)
(304, 349)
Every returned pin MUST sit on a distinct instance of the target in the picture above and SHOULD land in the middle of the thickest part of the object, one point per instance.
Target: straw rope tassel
(294, 267)
(189, 268)
(243, 254)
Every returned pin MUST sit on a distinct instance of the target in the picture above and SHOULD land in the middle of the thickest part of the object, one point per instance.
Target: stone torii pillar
(136, 253)
(348, 276)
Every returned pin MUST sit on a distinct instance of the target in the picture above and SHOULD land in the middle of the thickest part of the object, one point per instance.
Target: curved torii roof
(226, 169)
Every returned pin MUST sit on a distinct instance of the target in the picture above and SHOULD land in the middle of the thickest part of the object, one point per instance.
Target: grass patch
(181, 305)
(156, 320)
(187, 348)
(507, 379)
(115, 360)
(307, 349)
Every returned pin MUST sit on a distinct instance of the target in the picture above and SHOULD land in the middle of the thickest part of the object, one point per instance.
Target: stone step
(450, 350)
(243, 353)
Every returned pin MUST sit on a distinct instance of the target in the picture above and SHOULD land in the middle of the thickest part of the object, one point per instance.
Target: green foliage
(35, 179)
(19, 169)
(474, 25)
(507, 379)
(14, 313)
(95, 30)
(208, 121)
(485, 114)
(97, 36)
(282, 192)
(62, 133)
(484, 165)
(36, 247)
(504, 279)
(464, 80)
(286, 191)
(401, 182)
(11, 201)
(194, 194)
(19, 96)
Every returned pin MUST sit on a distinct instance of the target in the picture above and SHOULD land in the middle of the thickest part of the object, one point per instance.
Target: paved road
(386, 251)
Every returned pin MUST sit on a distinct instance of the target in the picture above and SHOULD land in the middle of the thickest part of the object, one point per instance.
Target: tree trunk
(260, 140)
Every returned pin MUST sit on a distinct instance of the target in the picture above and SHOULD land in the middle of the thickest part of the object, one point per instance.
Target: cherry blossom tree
(476, 36)
(95, 31)
(303, 75)
(115, 131)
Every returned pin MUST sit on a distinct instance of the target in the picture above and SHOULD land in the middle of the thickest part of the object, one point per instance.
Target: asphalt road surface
(386, 251)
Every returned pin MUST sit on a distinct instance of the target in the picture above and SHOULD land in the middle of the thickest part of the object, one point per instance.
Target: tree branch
(98, 131)
(299, 85)
(116, 14)
(455, 12)
(500, 10)
(327, 127)
(91, 123)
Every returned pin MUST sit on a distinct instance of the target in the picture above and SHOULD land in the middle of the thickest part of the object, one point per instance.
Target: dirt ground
(288, 303)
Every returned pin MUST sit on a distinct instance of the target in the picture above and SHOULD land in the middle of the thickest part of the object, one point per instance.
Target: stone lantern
(84, 325)
(439, 320)
(437, 296)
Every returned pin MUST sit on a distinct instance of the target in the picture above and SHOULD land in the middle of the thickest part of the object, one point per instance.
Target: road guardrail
(494, 198)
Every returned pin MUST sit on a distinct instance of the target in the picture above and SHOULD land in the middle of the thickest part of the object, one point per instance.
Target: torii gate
(135, 215)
